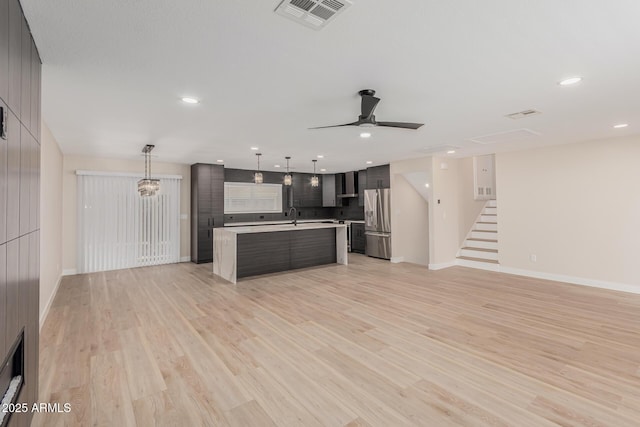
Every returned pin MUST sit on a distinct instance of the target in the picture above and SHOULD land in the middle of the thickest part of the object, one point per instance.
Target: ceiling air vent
(523, 114)
(314, 14)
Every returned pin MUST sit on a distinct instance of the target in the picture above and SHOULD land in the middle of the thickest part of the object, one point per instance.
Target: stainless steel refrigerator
(377, 222)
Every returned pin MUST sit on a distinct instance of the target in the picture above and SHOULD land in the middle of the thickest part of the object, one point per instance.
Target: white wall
(576, 207)
(409, 213)
(69, 181)
(50, 219)
(446, 210)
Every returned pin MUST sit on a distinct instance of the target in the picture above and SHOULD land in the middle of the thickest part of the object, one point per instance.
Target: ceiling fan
(367, 119)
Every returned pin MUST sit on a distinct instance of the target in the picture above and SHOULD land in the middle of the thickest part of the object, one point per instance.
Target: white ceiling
(114, 72)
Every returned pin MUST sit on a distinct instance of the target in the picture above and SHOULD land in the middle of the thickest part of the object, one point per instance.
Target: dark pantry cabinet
(20, 75)
(207, 209)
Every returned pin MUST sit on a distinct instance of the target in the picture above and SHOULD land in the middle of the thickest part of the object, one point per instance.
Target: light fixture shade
(287, 179)
(148, 186)
(315, 181)
(257, 178)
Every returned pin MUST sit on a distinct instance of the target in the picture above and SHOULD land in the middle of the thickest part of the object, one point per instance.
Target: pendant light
(257, 177)
(148, 186)
(287, 178)
(314, 179)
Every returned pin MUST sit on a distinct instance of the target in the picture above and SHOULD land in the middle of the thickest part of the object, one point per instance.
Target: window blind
(117, 228)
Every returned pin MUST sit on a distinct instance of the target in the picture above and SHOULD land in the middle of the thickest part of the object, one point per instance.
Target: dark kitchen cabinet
(3, 298)
(339, 188)
(3, 182)
(25, 181)
(357, 238)
(304, 195)
(378, 177)
(207, 209)
(362, 185)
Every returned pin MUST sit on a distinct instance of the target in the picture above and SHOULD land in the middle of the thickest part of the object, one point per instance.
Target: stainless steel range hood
(349, 185)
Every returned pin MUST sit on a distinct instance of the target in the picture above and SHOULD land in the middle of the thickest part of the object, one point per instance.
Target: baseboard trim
(185, 259)
(396, 259)
(45, 312)
(441, 265)
(69, 272)
(613, 286)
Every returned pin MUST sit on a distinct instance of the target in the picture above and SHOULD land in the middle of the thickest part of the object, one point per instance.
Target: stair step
(481, 253)
(475, 239)
(485, 222)
(468, 258)
(481, 249)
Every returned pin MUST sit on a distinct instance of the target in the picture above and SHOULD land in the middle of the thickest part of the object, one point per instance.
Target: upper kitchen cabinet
(36, 72)
(304, 194)
(378, 177)
(328, 191)
(207, 208)
(362, 185)
(4, 50)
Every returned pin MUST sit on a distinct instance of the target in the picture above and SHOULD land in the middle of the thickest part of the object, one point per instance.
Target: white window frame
(259, 198)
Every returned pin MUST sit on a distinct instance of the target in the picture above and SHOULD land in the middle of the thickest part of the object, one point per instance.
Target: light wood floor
(369, 344)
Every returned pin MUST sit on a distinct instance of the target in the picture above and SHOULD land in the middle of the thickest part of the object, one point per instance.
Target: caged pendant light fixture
(148, 186)
(287, 178)
(314, 179)
(257, 177)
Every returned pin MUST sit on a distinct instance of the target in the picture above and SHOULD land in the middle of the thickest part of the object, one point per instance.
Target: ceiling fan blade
(368, 106)
(400, 125)
(337, 126)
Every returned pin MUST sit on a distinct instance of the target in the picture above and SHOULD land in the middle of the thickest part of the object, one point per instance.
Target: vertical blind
(117, 228)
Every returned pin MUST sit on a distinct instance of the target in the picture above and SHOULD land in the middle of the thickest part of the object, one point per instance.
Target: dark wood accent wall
(262, 253)
(20, 76)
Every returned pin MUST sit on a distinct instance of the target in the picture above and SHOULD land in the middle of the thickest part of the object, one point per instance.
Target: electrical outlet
(533, 258)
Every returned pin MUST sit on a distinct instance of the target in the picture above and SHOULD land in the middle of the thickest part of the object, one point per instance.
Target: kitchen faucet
(295, 215)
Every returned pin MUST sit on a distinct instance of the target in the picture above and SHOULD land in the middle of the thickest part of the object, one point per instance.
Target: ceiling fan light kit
(367, 119)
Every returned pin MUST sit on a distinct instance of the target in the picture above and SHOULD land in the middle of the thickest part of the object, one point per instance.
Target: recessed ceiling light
(320, 156)
(369, 162)
(189, 100)
(220, 161)
(450, 152)
(427, 185)
(365, 135)
(323, 170)
(276, 166)
(255, 148)
(621, 125)
(570, 81)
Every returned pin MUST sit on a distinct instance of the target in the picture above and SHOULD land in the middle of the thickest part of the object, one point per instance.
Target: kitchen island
(249, 251)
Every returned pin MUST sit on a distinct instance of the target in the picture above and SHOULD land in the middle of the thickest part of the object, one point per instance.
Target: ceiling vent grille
(523, 114)
(314, 14)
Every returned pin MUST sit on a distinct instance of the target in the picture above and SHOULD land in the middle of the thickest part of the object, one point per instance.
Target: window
(245, 197)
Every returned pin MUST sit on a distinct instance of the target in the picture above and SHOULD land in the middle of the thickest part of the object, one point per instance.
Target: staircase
(480, 248)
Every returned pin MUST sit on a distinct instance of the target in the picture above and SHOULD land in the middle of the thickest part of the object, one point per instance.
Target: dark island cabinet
(378, 177)
(207, 209)
(358, 239)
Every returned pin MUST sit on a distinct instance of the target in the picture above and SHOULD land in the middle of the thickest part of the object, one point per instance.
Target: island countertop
(253, 250)
(280, 227)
